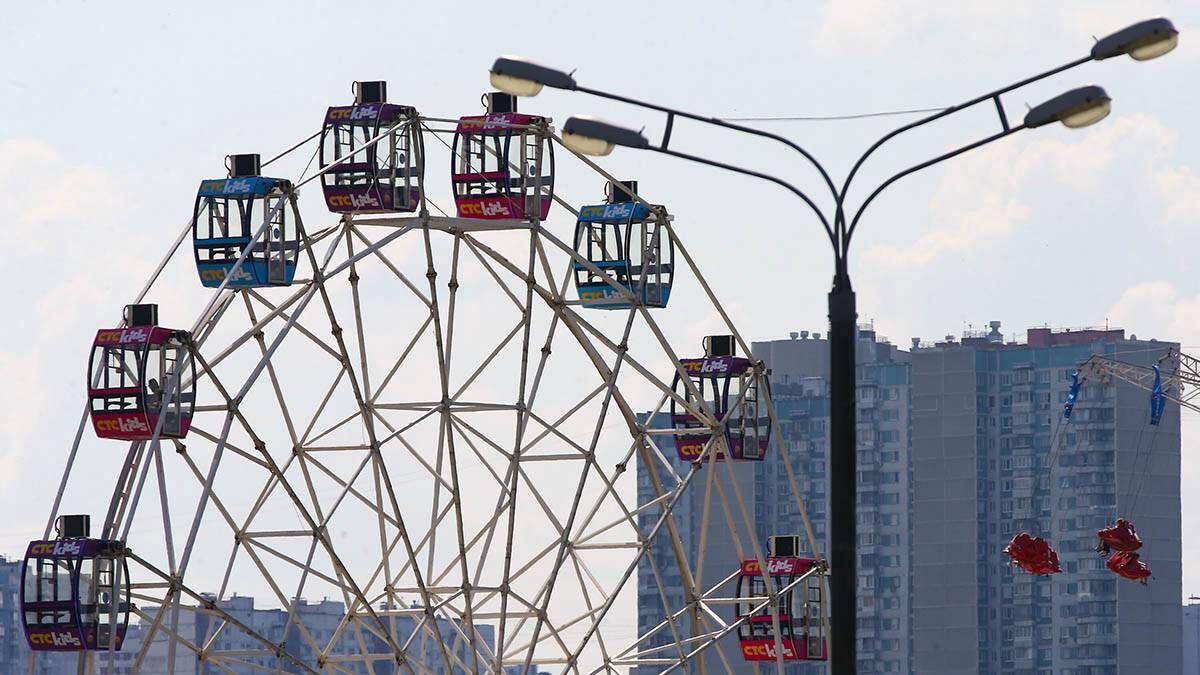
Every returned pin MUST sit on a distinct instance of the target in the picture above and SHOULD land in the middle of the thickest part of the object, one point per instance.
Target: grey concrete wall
(945, 625)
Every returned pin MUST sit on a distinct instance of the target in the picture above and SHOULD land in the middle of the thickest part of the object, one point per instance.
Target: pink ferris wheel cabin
(140, 379)
(502, 165)
(372, 154)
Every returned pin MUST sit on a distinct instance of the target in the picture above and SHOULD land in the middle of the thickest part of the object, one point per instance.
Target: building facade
(799, 389)
(993, 456)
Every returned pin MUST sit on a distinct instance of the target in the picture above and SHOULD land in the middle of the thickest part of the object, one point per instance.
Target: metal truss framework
(1180, 375)
(474, 421)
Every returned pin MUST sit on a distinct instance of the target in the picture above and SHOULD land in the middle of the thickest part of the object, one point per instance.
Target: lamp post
(1076, 108)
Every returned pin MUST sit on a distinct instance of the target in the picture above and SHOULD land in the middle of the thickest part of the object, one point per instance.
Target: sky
(109, 116)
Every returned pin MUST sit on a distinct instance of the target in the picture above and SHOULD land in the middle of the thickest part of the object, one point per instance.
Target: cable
(829, 118)
(1145, 474)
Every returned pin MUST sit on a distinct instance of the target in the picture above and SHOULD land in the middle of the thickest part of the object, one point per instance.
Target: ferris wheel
(434, 417)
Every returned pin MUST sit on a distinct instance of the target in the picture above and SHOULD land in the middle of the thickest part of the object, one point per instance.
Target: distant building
(323, 620)
(1191, 638)
(800, 391)
(13, 649)
(993, 457)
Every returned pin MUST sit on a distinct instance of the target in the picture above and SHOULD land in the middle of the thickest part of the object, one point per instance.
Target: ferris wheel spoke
(378, 253)
(306, 437)
(551, 429)
(299, 327)
(234, 448)
(445, 441)
(609, 376)
(403, 356)
(318, 533)
(274, 312)
(124, 490)
(667, 610)
(357, 494)
(177, 587)
(487, 361)
(262, 347)
(474, 246)
(396, 434)
(580, 571)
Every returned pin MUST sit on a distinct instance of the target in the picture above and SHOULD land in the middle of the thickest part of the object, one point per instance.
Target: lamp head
(520, 77)
(1142, 41)
(590, 135)
(1076, 108)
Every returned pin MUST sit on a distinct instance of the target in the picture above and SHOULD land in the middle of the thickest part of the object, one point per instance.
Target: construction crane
(1180, 375)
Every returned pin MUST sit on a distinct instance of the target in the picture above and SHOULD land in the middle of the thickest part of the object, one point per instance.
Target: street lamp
(516, 76)
(589, 135)
(1142, 41)
(1076, 108)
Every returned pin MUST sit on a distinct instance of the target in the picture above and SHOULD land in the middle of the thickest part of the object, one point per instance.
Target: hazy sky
(109, 117)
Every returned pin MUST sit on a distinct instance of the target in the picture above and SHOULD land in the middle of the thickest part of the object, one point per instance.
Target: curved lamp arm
(715, 121)
(840, 217)
(913, 169)
(757, 174)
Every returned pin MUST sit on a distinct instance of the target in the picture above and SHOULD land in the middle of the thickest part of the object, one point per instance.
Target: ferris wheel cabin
(798, 613)
(227, 215)
(730, 387)
(361, 176)
(501, 164)
(75, 590)
(627, 244)
(140, 376)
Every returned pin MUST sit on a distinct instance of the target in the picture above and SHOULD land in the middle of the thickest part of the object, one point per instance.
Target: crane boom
(1180, 375)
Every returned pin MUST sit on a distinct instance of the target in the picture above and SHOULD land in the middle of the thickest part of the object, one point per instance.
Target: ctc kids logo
(54, 638)
(124, 425)
(690, 450)
(352, 201)
(218, 275)
(353, 113)
(486, 209)
(705, 366)
(774, 566)
(765, 650)
(56, 548)
(121, 336)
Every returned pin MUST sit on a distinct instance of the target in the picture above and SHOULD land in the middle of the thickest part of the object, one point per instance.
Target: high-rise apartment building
(993, 456)
(799, 389)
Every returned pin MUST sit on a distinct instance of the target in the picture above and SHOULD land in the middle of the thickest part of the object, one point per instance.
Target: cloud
(43, 190)
(988, 197)
(1177, 189)
(65, 225)
(1159, 308)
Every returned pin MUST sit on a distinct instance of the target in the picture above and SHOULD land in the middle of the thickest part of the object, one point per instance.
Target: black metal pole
(843, 474)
